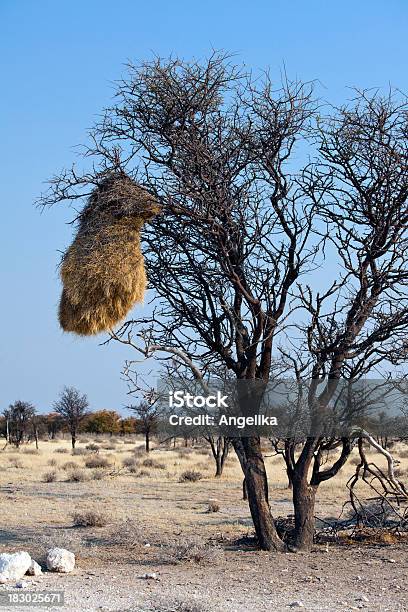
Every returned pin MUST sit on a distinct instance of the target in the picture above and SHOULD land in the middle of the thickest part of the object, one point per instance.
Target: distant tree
(19, 417)
(53, 424)
(147, 416)
(103, 421)
(72, 406)
(128, 425)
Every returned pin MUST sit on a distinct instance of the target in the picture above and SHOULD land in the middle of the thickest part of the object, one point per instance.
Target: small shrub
(131, 463)
(16, 463)
(213, 506)
(128, 534)
(89, 518)
(97, 462)
(77, 476)
(31, 451)
(70, 465)
(195, 550)
(52, 462)
(152, 463)
(98, 474)
(94, 448)
(79, 451)
(61, 450)
(109, 446)
(49, 476)
(142, 473)
(190, 476)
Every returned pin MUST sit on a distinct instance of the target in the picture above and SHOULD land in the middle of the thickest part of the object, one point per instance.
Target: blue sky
(59, 61)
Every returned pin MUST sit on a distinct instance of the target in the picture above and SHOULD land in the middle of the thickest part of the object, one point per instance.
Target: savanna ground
(148, 522)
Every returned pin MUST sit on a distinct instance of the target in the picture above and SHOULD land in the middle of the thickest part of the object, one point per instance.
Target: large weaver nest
(103, 271)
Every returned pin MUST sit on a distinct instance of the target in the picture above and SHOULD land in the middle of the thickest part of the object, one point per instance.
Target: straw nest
(103, 271)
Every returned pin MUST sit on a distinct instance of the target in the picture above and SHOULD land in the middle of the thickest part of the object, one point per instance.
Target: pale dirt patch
(148, 514)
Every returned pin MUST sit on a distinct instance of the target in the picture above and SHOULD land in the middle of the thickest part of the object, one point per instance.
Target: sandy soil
(149, 514)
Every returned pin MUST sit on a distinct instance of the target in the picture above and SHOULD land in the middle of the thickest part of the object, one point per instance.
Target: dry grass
(77, 475)
(159, 506)
(97, 461)
(195, 550)
(49, 477)
(213, 506)
(89, 518)
(190, 476)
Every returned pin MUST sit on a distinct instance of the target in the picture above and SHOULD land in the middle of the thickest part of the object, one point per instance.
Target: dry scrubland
(125, 514)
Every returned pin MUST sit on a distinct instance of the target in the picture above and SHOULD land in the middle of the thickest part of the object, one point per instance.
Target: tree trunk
(257, 490)
(73, 439)
(219, 466)
(244, 490)
(304, 496)
(147, 441)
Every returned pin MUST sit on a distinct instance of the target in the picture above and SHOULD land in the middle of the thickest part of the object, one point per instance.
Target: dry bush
(63, 538)
(128, 534)
(89, 518)
(139, 450)
(195, 550)
(403, 454)
(94, 448)
(49, 476)
(61, 450)
(84, 440)
(152, 463)
(98, 474)
(131, 463)
(213, 506)
(77, 475)
(80, 451)
(16, 463)
(142, 473)
(190, 476)
(109, 446)
(70, 465)
(202, 465)
(355, 460)
(52, 462)
(31, 451)
(97, 461)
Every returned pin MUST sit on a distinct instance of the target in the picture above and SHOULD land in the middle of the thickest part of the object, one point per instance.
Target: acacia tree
(19, 416)
(72, 406)
(243, 227)
(103, 421)
(147, 414)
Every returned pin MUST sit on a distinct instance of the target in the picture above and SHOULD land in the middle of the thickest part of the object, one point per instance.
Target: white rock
(13, 566)
(150, 576)
(297, 604)
(34, 569)
(60, 560)
(22, 584)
